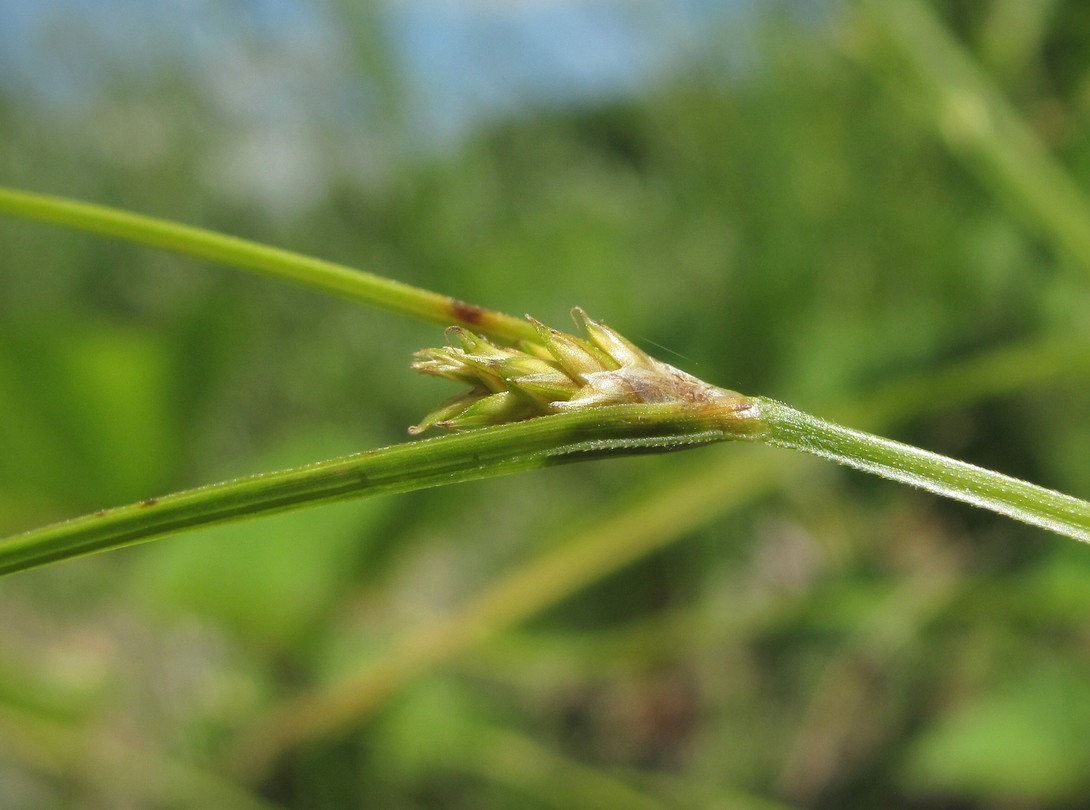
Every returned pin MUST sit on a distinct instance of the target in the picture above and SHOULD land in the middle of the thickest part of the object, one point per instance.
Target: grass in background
(792, 231)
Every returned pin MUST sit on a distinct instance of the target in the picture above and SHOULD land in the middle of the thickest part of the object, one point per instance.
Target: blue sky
(463, 60)
(288, 109)
(498, 55)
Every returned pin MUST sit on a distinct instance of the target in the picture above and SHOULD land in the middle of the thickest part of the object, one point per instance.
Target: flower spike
(559, 372)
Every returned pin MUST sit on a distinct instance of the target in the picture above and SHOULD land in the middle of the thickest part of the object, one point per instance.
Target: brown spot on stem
(466, 313)
(149, 502)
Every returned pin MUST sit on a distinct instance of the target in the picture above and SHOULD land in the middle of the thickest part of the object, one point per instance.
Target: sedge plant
(532, 396)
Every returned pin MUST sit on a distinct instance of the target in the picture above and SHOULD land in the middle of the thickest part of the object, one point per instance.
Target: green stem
(582, 435)
(605, 431)
(1000, 493)
(317, 274)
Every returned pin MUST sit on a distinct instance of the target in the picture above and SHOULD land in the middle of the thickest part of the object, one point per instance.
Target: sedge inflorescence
(557, 372)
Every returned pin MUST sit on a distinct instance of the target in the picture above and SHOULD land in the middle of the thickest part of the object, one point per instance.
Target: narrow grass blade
(605, 431)
(326, 277)
(1000, 493)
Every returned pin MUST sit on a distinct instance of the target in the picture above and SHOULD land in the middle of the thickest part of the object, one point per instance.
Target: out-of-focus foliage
(790, 229)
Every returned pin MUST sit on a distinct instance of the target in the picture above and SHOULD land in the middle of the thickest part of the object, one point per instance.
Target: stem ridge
(959, 480)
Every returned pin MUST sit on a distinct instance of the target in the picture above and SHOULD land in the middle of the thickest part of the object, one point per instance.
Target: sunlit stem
(317, 274)
(1000, 493)
(583, 435)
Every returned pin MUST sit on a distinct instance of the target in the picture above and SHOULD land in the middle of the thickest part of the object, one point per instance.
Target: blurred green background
(872, 211)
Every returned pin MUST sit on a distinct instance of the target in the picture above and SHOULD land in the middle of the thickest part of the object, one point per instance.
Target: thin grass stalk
(1021, 500)
(416, 465)
(284, 265)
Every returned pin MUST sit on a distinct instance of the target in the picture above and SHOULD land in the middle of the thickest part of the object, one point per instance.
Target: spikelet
(556, 373)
